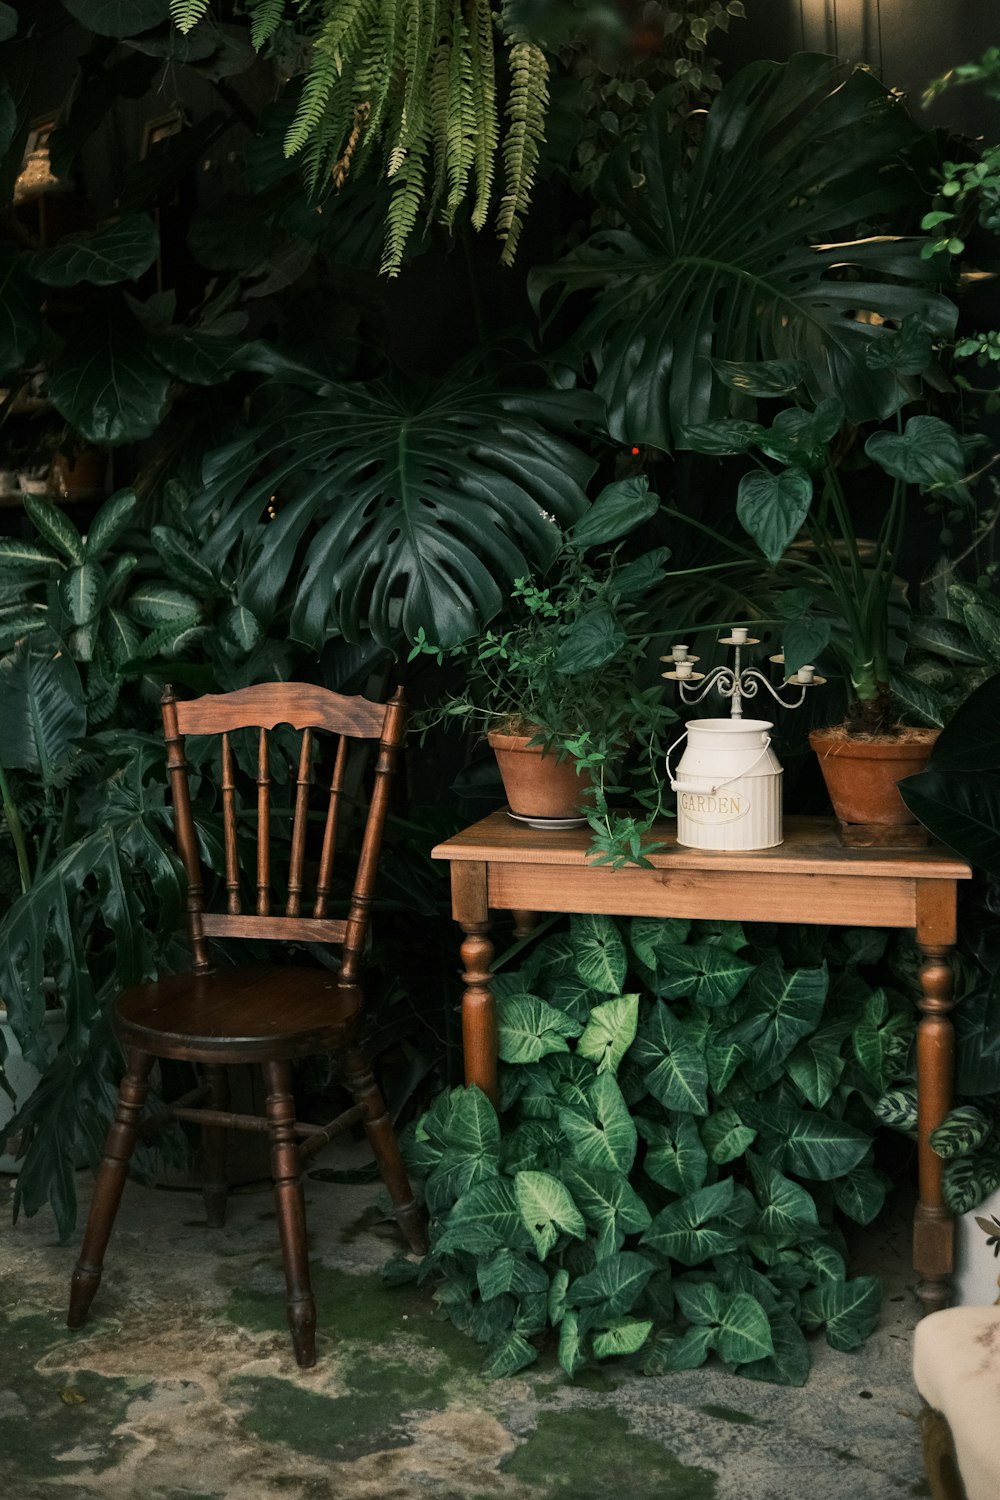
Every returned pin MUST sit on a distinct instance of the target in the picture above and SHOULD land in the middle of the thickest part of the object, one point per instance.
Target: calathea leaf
(508, 1355)
(850, 1310)
(897, 1108)
(118, 252)
(528, 1029)
(418, 507)
(599, 953)
(614, 1286)
(738, 254)
(609, 1204)
(692, 1230)
(672, 1062)
(624, 1337)
(547, 1210)
(609, 1032)
(604, 1136)
(961, 1131)
(706, 973)
(772, 507)
(968, 1180)
(105, 382)
(725, 1135)
(675, 1156)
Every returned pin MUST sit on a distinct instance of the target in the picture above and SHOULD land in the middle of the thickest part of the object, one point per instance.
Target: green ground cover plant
(685, 1108)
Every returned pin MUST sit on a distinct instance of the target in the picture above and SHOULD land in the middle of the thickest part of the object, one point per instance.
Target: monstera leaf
(744, 254)
(418, 508)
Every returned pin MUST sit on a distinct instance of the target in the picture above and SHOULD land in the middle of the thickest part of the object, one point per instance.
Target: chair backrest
(307, 708)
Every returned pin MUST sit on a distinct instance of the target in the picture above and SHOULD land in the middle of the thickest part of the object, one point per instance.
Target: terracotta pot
(84, 477)
(537, 784)
(861, 775)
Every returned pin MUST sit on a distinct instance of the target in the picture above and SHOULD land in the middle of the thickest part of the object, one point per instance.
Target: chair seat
(956, 1368)
(239, 1015)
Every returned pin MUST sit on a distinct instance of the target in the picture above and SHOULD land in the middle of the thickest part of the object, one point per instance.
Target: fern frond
(526, 106)
(320, 82)
(186, 14)
(265, 18)
(463, 122)
(409, 171)
(484, 103)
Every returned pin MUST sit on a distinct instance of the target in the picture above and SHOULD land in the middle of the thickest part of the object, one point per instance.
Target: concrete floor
(183, 1386)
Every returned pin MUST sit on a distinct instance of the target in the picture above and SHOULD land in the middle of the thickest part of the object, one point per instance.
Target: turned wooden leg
(361, 1082)
(525, 923)
(479, 1015)
(109, 1185)
(214, 1187)
(934, 1225)
(290, 1201)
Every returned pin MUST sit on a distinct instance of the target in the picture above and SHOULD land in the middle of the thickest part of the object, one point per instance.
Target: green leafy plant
(794, 503)
(682, 1113)
(564, 664)
(397, 505)
(743, 254)
(958, 796)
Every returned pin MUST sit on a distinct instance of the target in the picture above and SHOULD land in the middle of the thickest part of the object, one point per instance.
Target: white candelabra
(735, 682)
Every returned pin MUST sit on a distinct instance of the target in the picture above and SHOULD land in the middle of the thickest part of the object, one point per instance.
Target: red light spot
(635, 453)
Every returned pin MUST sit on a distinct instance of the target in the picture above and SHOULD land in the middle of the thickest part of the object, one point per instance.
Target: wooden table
(499, 864)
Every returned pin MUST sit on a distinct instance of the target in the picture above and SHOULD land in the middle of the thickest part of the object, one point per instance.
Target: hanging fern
(265, 18)
(186, 14)
(529, 97)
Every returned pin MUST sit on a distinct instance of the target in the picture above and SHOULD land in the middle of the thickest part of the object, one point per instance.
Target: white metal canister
(728, 785)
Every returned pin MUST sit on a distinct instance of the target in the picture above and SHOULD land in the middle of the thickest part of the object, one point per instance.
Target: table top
(811, 845)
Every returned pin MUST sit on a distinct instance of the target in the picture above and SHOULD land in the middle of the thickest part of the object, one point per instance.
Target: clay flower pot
(538, 785)
(861, 775)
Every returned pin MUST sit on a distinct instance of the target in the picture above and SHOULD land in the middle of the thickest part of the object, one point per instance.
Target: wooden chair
(265, 1015)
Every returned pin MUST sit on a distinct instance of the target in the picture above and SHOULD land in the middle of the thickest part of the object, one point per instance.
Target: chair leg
(378, 1125)
(290, 1200)
(215, 1188)
(109, 1185)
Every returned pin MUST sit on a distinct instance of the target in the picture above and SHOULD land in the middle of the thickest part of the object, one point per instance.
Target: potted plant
(840, 589)
(554, 683)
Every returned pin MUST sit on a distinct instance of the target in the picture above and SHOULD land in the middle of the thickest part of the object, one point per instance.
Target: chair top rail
(303, 705)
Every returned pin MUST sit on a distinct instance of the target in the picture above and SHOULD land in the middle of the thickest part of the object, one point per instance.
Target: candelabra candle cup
(805, 675)
(683, 668)
(679, 653)
(739, 634)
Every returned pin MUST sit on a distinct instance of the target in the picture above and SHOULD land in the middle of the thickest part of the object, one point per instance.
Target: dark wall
(908, 42)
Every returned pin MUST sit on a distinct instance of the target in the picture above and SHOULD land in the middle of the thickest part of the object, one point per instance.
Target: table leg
(470, 908)
(934, 1224)
(525, 923)
(479, 1018)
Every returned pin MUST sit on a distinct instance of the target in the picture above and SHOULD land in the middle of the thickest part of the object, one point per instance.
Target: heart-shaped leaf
(772, 507)
(106, 383)
(547, 1210)
(927, 452)
(618, 509)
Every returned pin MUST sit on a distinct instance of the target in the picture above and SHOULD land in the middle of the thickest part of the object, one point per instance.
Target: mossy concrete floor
(182, 1386)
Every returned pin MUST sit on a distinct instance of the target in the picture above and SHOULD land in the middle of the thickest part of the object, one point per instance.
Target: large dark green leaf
(618, 509)
(962, 809)
(772, 507)
(43, 710)
(118, 17)
(419, 507)
(20, 319)
(927, 452)
(106, 382)
(739, 254)
(672, 1060)
(971, 741)
(119, 252)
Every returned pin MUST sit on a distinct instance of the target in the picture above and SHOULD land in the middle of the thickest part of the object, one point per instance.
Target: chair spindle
(299, 828)
(330, 830)
(263, 829)
(229, 828)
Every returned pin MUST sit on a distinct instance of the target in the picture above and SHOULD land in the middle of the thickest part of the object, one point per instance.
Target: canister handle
(673, 747)
(684, 786)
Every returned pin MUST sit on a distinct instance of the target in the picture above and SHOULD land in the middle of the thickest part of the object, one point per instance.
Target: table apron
(828, 900)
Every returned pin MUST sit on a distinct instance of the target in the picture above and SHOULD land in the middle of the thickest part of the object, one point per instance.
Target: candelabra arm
(759, 677)
(720, 677)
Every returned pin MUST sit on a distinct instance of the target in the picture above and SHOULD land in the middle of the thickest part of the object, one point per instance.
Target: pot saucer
(552, 825)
